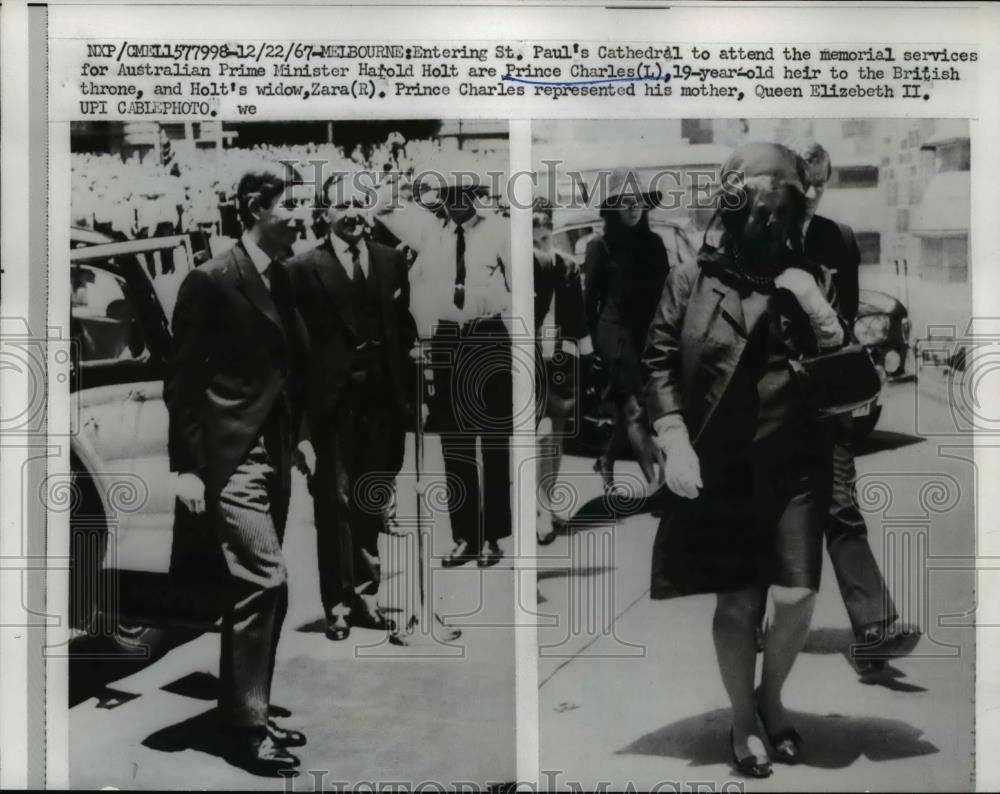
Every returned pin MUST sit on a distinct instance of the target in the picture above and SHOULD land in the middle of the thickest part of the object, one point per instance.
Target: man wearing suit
(233, 392)
(354, 297)
(869, 605)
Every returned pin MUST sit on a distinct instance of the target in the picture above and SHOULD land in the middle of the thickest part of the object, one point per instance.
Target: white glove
(682, 469)
(191, 492)
(822, 317)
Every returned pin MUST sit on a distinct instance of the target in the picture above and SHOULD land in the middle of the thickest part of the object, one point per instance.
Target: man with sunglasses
(354, 296)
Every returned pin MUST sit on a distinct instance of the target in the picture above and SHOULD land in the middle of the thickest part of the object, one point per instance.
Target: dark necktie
(459, 296)
(281, 294)
(356, 272)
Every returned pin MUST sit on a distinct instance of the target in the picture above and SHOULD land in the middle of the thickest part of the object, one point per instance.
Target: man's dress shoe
(458, 556)
(882, 641)
(489, 555)
(285, 737)
(337, 627)
(261, 756)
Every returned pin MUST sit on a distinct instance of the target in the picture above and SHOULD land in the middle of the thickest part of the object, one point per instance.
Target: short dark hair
(264, 185)
(812, 152)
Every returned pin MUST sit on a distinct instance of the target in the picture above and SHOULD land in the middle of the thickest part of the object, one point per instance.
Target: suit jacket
(232, 361)
(834, 246)
(324, 292)
(554, 281)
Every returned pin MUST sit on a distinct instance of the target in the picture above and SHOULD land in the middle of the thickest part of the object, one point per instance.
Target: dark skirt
(759, 521)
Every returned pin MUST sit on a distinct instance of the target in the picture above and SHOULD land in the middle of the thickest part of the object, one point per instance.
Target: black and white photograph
(755, 547)
(291, 529)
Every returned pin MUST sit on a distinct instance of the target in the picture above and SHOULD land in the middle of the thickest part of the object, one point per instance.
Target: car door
(118, 351)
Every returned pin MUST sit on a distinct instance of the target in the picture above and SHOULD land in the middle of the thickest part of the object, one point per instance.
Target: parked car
(883, 326)
(122, 594)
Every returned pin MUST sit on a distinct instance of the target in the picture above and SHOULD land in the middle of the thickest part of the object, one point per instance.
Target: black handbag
(838, 382)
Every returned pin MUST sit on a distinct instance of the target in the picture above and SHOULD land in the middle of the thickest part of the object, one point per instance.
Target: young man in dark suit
(873, 615)
(233, 392)
(354, 296)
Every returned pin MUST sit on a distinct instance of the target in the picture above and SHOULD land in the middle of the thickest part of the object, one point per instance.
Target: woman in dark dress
(624, 271)
(747, 459)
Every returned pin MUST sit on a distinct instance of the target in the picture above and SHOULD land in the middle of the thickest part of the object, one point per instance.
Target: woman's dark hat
(623, 183)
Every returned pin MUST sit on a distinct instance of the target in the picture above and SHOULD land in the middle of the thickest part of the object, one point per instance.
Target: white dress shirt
(487, 267)
(340, 248)
(261, 261)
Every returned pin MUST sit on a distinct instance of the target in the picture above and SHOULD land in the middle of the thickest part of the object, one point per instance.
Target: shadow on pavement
(602, 512)
(883, 441)
(833, 741)
(839, 641)
(93, 664)
(200, 686)
(587, 570)
(200, 732)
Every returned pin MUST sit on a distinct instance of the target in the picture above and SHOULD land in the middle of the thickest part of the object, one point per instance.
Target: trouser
(861, 584)
(475, 398)
(250, 521)
(357, 458)
(479, 512)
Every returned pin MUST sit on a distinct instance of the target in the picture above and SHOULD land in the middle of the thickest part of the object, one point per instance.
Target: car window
(104, 322)
(573, 241)
(677, 243)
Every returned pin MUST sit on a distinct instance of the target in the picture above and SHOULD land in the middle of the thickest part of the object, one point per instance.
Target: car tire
(92, 592)
(864, 425)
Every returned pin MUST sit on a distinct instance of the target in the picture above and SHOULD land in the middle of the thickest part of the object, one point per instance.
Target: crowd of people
(136, 194)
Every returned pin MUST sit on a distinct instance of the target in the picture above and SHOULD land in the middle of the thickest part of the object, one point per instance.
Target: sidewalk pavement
(372, 712)
(630, 690)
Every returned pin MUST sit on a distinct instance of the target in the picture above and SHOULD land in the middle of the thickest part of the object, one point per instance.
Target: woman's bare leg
(547, 469)
(733, 629)
(793, 608)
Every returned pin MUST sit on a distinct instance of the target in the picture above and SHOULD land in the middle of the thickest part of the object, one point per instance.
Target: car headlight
(872, 329)
(892, 362)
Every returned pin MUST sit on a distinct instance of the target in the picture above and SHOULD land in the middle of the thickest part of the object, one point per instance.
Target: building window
(854, 176)
(859, 128)
(945, 259)
(953, 156)
(903, 219)
(697, 130)
(870, 245)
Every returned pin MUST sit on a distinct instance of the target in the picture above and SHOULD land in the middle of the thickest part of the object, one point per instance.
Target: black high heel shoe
(749, 765)
(606, 469)
(787, 744)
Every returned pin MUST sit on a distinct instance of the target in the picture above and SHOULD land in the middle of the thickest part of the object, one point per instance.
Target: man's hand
(305, 458)
(418, 353)
(191, 492)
